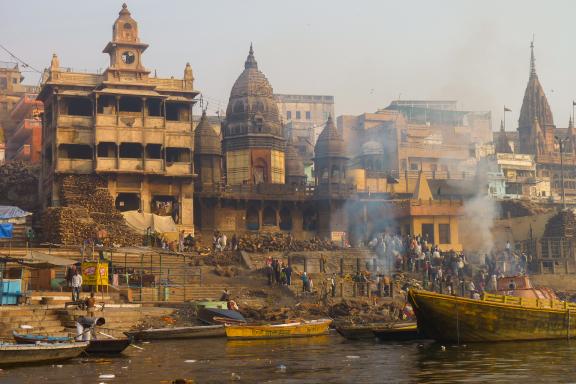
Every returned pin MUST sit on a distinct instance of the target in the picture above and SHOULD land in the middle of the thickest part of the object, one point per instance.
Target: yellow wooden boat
(278, 331)
(492, 318)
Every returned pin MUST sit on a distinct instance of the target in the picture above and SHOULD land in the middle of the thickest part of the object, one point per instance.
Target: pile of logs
(67, 225)
(87, 209)
(270, 242)
(562, 224)
(19, 185)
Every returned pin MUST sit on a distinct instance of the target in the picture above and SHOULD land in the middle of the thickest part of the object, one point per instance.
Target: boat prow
(493, 318)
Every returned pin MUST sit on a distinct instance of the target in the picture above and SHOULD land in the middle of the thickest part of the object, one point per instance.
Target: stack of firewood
(562, 224)
(67, 225)
(88, 210)
(270, 242)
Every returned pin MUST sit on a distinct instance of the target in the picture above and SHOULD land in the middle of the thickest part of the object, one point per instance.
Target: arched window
(285, 219)
(252, 219)
(310, 219)
(260, 171)
(269, 217)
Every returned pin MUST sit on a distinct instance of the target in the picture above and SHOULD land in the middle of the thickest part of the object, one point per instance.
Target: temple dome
(252, 107)
(294, 162)
(330, 143)
(206, 139)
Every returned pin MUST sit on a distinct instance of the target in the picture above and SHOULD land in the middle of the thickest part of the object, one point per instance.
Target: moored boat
(103, 346)
(15, 354)
(278, 331)
(398, 332)
(492, 318)
(356, 331)
(220, 316)
(108, 346)
(195, 332)
(28, 338)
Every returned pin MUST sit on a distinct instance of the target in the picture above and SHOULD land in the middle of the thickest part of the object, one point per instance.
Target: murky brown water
(326, 359)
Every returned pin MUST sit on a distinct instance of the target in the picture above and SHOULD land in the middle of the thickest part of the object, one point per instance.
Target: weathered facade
(14, 95)
(133, 129)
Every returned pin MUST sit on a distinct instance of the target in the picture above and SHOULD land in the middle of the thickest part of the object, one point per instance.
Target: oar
(104, 334)
(112, 337)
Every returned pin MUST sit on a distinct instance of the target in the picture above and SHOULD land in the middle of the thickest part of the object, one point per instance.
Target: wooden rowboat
(493, 318)
(108, 346)
(16, 354)
(196, 332)
(95, 346)
(278, 331)
(398, 332)
(356, 332)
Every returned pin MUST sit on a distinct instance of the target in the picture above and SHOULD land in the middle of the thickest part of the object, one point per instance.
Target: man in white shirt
(76, 286)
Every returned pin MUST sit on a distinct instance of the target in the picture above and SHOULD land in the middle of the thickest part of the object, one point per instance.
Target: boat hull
(17, 354)
(363, 332)
(178, 333)
(108, 346)
(456, 319)
(255, 332)
(403, 332)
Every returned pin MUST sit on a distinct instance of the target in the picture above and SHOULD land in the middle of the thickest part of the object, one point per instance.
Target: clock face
(128, 57)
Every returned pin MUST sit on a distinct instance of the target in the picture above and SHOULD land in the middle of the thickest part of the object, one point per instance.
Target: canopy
(39, 260)
(140, 222)
(11, 214)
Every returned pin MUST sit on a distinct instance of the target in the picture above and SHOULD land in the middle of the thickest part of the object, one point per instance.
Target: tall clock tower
(125, 50)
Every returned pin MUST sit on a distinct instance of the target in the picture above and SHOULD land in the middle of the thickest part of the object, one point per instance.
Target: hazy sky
(365, 53)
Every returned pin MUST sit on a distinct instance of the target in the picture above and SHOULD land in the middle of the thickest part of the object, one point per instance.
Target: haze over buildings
(365, 56)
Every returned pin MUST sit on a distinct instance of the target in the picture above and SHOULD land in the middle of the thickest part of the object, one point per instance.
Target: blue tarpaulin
(6, 230)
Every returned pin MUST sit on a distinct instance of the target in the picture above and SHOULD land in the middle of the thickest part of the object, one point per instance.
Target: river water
(324, 359)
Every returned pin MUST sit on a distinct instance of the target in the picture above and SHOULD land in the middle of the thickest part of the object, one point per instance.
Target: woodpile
(19, 185)
(67, 225)
(270, 242)
(87, 209)
(562, 224)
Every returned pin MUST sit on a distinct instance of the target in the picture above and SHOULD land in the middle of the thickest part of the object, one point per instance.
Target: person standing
(288, 272)
(333, 285)
(76, 286)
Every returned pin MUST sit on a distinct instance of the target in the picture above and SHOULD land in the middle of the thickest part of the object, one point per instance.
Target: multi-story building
(133, 129)
(304, 116)
(412, 136)
(518, 173)
(11, 92)
(24, 130)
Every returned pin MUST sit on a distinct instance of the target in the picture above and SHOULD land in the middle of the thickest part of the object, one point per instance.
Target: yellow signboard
(94, 273)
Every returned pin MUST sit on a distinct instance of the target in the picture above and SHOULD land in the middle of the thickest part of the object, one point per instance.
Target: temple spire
(532, 59)
(250, 60)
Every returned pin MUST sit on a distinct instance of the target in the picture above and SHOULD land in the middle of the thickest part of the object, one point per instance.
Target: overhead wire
(24, 64)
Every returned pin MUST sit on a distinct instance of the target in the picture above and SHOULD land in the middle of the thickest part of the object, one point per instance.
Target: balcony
(154, 122)
(74, 165)
(106, 120)
(130, 120)
(75, 121)
(179, 169)
(178, 126)
(105, 164)
(154, 136)
(130, 165)
(154, 165)
(25, 129)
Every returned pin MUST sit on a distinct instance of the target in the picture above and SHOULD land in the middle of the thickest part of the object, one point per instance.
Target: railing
(440, 175)
(74, 165)
(529, 302)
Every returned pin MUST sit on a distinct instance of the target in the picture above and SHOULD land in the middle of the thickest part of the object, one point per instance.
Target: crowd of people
(447, 272)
